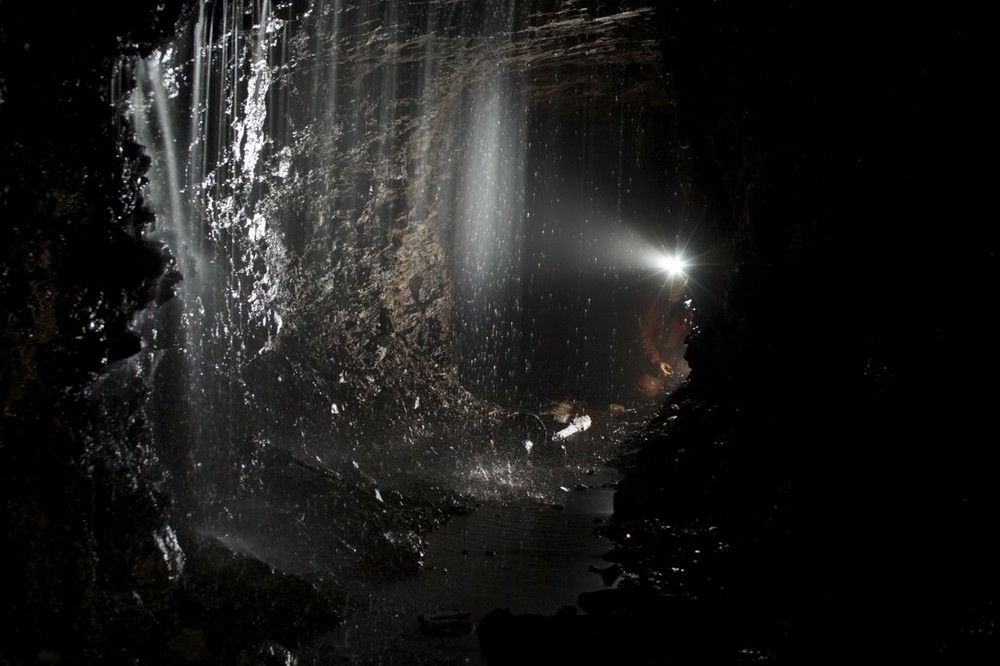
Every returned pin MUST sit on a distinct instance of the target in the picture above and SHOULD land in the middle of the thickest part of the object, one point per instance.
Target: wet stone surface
(531, 546)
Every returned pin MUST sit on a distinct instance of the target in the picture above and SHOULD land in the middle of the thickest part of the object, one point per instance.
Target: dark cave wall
(829, 427)
(81, 506)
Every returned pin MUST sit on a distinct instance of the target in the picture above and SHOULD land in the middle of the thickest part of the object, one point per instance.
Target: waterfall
(490, 219)
(344, 185)
(200, 108)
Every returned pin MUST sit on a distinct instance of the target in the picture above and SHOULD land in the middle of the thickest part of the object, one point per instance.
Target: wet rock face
(82, 517)
(354, 181)
(381, 213)
(87, 480)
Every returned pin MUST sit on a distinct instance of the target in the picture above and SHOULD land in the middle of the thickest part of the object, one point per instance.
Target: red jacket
(663, 331)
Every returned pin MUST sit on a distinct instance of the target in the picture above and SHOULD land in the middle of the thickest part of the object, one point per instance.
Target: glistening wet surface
(520, 550)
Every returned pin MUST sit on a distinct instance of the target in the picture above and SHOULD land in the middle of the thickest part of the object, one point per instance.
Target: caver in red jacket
(663, 331)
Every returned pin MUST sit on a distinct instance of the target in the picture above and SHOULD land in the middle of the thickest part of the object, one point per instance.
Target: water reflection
(525, 554)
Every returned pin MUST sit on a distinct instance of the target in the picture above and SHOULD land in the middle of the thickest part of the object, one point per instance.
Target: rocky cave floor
(260, 587)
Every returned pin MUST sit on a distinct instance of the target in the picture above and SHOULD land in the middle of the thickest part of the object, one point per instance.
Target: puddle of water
(531, 548)
(526, 555)
(530, 558)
